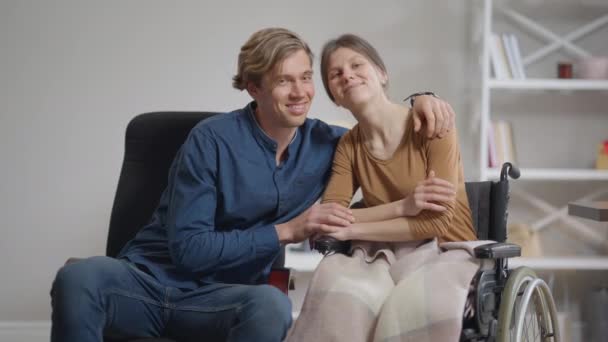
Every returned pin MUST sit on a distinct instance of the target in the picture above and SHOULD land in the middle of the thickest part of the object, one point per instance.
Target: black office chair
(151, 142)
(509, 304)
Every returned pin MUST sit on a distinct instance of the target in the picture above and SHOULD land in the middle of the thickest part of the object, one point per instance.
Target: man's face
(286, 93)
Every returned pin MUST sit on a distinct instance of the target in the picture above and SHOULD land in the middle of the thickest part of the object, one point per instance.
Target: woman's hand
(343, 234)
(429, 194)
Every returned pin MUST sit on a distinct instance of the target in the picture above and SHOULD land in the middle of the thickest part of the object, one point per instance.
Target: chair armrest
(498, 250)
(72, 260)
(281, 278)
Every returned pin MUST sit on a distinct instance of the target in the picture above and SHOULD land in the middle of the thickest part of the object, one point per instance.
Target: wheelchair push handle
(510, 170)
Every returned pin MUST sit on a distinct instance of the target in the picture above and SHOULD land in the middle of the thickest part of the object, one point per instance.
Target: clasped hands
(336, 221)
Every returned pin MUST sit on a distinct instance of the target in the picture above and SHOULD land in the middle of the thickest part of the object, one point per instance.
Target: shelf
(549, 84)
(553, 174)
(308, 261)
(562, 263)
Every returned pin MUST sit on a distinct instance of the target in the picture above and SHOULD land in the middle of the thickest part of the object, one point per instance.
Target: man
(243, 184)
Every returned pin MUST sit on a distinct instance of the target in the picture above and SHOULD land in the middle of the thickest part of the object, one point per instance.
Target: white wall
(72, 74)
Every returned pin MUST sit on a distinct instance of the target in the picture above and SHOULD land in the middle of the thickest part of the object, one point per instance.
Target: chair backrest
(151, 142)
(488, 201)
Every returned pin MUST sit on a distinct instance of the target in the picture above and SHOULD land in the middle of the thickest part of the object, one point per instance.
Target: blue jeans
(102, 296)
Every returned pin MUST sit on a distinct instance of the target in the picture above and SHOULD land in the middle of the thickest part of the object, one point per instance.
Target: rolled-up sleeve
(342, 183)
(443, 157)
(195, 244)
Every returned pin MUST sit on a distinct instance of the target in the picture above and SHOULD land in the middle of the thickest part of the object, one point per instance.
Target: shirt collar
(259, 133)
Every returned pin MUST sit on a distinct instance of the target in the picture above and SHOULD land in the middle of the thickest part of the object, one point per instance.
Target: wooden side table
(593, 210)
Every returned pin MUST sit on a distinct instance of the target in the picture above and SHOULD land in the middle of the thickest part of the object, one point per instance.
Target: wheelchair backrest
(488, 202)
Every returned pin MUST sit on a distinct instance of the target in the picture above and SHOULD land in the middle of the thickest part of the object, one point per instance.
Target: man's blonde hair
(262, 51)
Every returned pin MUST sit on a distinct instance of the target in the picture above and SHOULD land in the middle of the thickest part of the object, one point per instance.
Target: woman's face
(353, 80)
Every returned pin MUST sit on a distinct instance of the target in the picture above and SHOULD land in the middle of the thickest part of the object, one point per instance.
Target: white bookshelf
(548, 84)
(567, 267)
(492, 87)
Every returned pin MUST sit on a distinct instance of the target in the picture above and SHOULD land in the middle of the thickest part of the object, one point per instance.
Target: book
(519, 64)
(492, 158)
(505, 57)
(498, 58)
(504, 146)
(506, 42)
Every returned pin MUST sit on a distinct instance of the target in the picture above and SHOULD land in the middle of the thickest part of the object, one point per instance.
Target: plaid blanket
(413, 291)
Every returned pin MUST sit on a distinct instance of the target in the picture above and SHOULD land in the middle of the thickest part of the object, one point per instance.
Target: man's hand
(320, 219)
(429, 194)
(437, 114)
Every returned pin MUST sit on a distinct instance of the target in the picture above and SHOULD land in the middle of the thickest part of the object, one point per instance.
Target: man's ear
(253, 90)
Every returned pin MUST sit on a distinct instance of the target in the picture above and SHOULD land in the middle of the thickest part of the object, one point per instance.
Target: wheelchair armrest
(329, 245)
(498, 250)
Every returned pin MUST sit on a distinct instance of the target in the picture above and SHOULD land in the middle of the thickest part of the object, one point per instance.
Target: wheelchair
(508, 305)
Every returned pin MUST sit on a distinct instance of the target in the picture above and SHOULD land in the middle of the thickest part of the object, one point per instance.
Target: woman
(394, 284)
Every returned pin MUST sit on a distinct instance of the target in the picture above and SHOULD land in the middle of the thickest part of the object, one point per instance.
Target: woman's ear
(384, 78)
(336, 102)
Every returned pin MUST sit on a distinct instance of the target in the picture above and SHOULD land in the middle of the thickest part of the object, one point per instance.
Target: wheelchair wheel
(527, 311)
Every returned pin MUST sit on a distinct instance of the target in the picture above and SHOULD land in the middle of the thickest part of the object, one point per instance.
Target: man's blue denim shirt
(216, 219)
